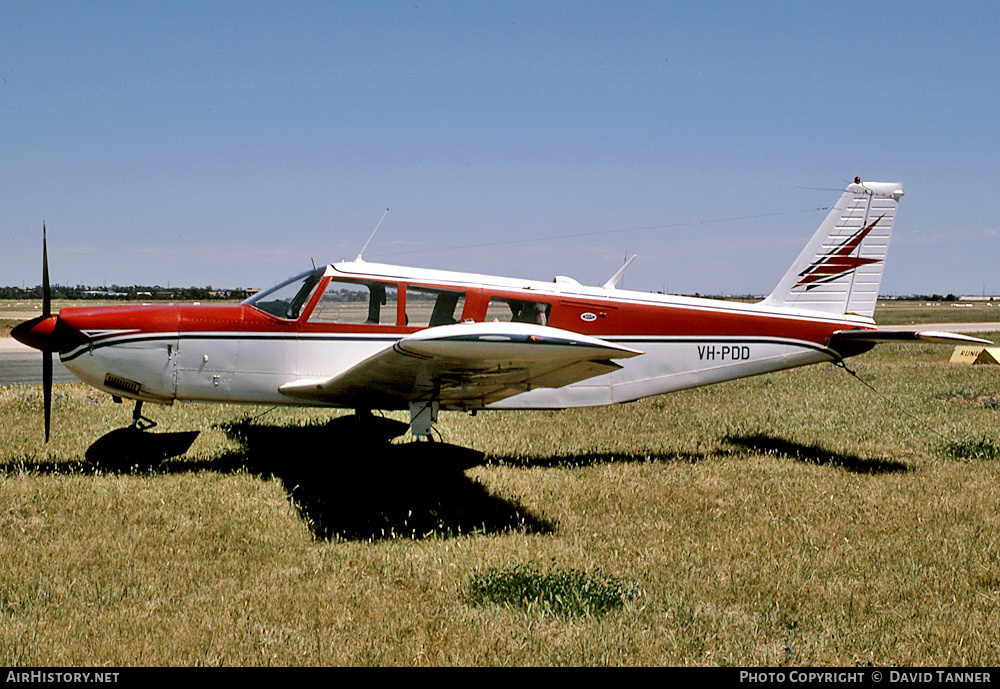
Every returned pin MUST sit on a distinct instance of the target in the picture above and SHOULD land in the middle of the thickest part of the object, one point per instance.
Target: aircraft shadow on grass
(760, 443)
(763, 443)
(589, 459)
(344, 483)
(352, 484)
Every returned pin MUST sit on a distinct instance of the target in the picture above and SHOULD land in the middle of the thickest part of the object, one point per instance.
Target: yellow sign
(976, 355)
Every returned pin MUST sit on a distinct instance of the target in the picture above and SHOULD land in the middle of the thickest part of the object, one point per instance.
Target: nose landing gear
(140, 422)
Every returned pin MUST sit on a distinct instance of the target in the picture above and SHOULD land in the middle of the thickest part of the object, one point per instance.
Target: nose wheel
(140, 422)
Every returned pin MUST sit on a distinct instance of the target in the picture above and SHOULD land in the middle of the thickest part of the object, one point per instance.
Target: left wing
(465, 366)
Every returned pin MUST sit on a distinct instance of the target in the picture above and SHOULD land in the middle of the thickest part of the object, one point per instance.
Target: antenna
(371, 235)
(610, 284)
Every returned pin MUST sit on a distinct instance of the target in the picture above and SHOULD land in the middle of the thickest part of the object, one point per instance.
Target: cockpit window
(285, 300)
(356, 302)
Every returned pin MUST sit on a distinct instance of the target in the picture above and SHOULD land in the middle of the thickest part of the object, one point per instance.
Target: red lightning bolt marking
(838, 263)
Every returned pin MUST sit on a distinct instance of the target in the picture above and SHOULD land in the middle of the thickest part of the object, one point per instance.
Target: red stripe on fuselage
(617, 318)
(101, 322)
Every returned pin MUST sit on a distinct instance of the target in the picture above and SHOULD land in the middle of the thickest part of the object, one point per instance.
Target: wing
(465, 366)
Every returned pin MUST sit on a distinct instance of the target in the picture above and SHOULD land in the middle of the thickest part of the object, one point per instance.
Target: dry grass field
(799, 518)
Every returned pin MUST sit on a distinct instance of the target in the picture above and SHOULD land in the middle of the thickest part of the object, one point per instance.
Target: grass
(792, 519)
(562, 592)
(975, 448)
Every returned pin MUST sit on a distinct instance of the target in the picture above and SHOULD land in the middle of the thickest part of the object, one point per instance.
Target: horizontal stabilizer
(908, 336)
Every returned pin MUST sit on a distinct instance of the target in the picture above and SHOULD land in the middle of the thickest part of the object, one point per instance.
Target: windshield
(285, 300)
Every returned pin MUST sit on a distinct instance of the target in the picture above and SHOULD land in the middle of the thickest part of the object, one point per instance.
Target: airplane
(369, 336)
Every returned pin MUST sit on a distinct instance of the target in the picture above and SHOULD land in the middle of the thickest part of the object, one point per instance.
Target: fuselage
(326, 321)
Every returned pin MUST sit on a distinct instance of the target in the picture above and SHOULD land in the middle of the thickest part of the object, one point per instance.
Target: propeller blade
(47, 354)
(47, 389)
(46, 293)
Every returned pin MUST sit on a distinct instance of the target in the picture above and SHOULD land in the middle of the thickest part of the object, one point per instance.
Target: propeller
(39, 333)
(48, 333)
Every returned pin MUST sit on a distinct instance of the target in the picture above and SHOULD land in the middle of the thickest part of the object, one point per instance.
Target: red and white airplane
(369, 336)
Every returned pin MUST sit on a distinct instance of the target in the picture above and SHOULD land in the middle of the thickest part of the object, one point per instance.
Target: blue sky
(231, 144)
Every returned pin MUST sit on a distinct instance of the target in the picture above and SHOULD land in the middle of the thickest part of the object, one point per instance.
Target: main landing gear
(423, 416)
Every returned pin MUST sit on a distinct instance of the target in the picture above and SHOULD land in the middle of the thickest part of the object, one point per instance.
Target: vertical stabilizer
(840, 270)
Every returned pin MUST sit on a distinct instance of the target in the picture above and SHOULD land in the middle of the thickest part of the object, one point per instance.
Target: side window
(428, 307)
(516, 311)
(345, 301)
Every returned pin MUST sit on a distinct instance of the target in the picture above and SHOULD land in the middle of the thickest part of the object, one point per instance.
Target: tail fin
(840, 269)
